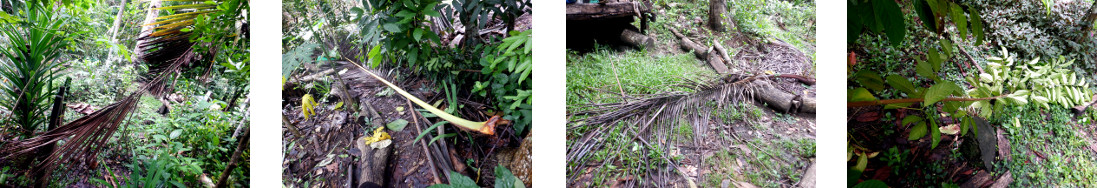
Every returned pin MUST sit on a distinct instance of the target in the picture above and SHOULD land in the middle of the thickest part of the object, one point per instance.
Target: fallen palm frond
(166, 49)
(652, 118)
(487, 127)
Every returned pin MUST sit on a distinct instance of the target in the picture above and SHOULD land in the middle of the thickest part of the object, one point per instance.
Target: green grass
(775, 161)
(638, 71)
(1069, 162)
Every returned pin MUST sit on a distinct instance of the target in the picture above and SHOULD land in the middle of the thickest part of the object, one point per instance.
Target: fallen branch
(913, 100)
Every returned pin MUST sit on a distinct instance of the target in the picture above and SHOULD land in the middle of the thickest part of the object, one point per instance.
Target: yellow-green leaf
(307, 106)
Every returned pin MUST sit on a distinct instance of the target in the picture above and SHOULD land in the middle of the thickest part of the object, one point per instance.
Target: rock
(987, 142)
(519, 160)
(981, 146)
(725, 184)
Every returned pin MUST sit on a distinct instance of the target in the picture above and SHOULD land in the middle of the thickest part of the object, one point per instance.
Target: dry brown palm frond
(652, 117)
(89, 133)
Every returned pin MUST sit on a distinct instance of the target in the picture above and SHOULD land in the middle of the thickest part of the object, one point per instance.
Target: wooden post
(54, 121)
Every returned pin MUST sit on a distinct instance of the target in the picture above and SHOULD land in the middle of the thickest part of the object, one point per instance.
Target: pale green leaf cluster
(1041, 82)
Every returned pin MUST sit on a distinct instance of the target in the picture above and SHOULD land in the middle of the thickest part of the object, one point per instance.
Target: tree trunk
(232, 101)
(114, 30)
(1087, 22)
(240, 147)
(716, 8)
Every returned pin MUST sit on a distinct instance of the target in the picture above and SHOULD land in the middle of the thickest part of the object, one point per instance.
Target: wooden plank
(593, 11)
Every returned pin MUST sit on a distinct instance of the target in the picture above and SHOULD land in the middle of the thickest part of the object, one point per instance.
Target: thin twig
(434, 170)
(618, 80)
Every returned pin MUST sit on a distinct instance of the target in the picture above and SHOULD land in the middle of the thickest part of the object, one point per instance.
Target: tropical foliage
(192, 57)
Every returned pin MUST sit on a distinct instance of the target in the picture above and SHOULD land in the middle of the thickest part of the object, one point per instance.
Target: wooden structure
(611, 9)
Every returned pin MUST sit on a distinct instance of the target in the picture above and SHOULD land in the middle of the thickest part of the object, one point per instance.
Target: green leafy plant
(509, 68)
(400, 27)
(29, 64)
(885, 17)
(503, 179)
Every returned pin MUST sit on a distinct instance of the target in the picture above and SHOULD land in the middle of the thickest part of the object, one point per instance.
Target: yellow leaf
(379, 134)
(308, 106)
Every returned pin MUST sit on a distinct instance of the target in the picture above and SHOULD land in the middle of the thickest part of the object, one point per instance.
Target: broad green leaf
(911, 119)
(860, 94)
(935, 133)
(870, 80)
(924, 13)
(901, 83)
(854, 25)
(960, 19)
(358, 12)
(418, 33)
(946, 47)
(934, 59)
(862, 162)
(940, 91)
(889, 14)
(397, 125)
(176, 133)
(391, 27)
(924, 69)
(375, 56)
(405, 14)
(977, 26)
(918, 131)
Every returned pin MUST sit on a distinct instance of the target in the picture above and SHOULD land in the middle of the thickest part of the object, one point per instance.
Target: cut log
(700, 51)
(719, 64)
(595, 11)
(981, 179)
(723, 52)
(372, 163)
(636, 39)
(783, 101)
(1081, 109)
(1003, 181)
